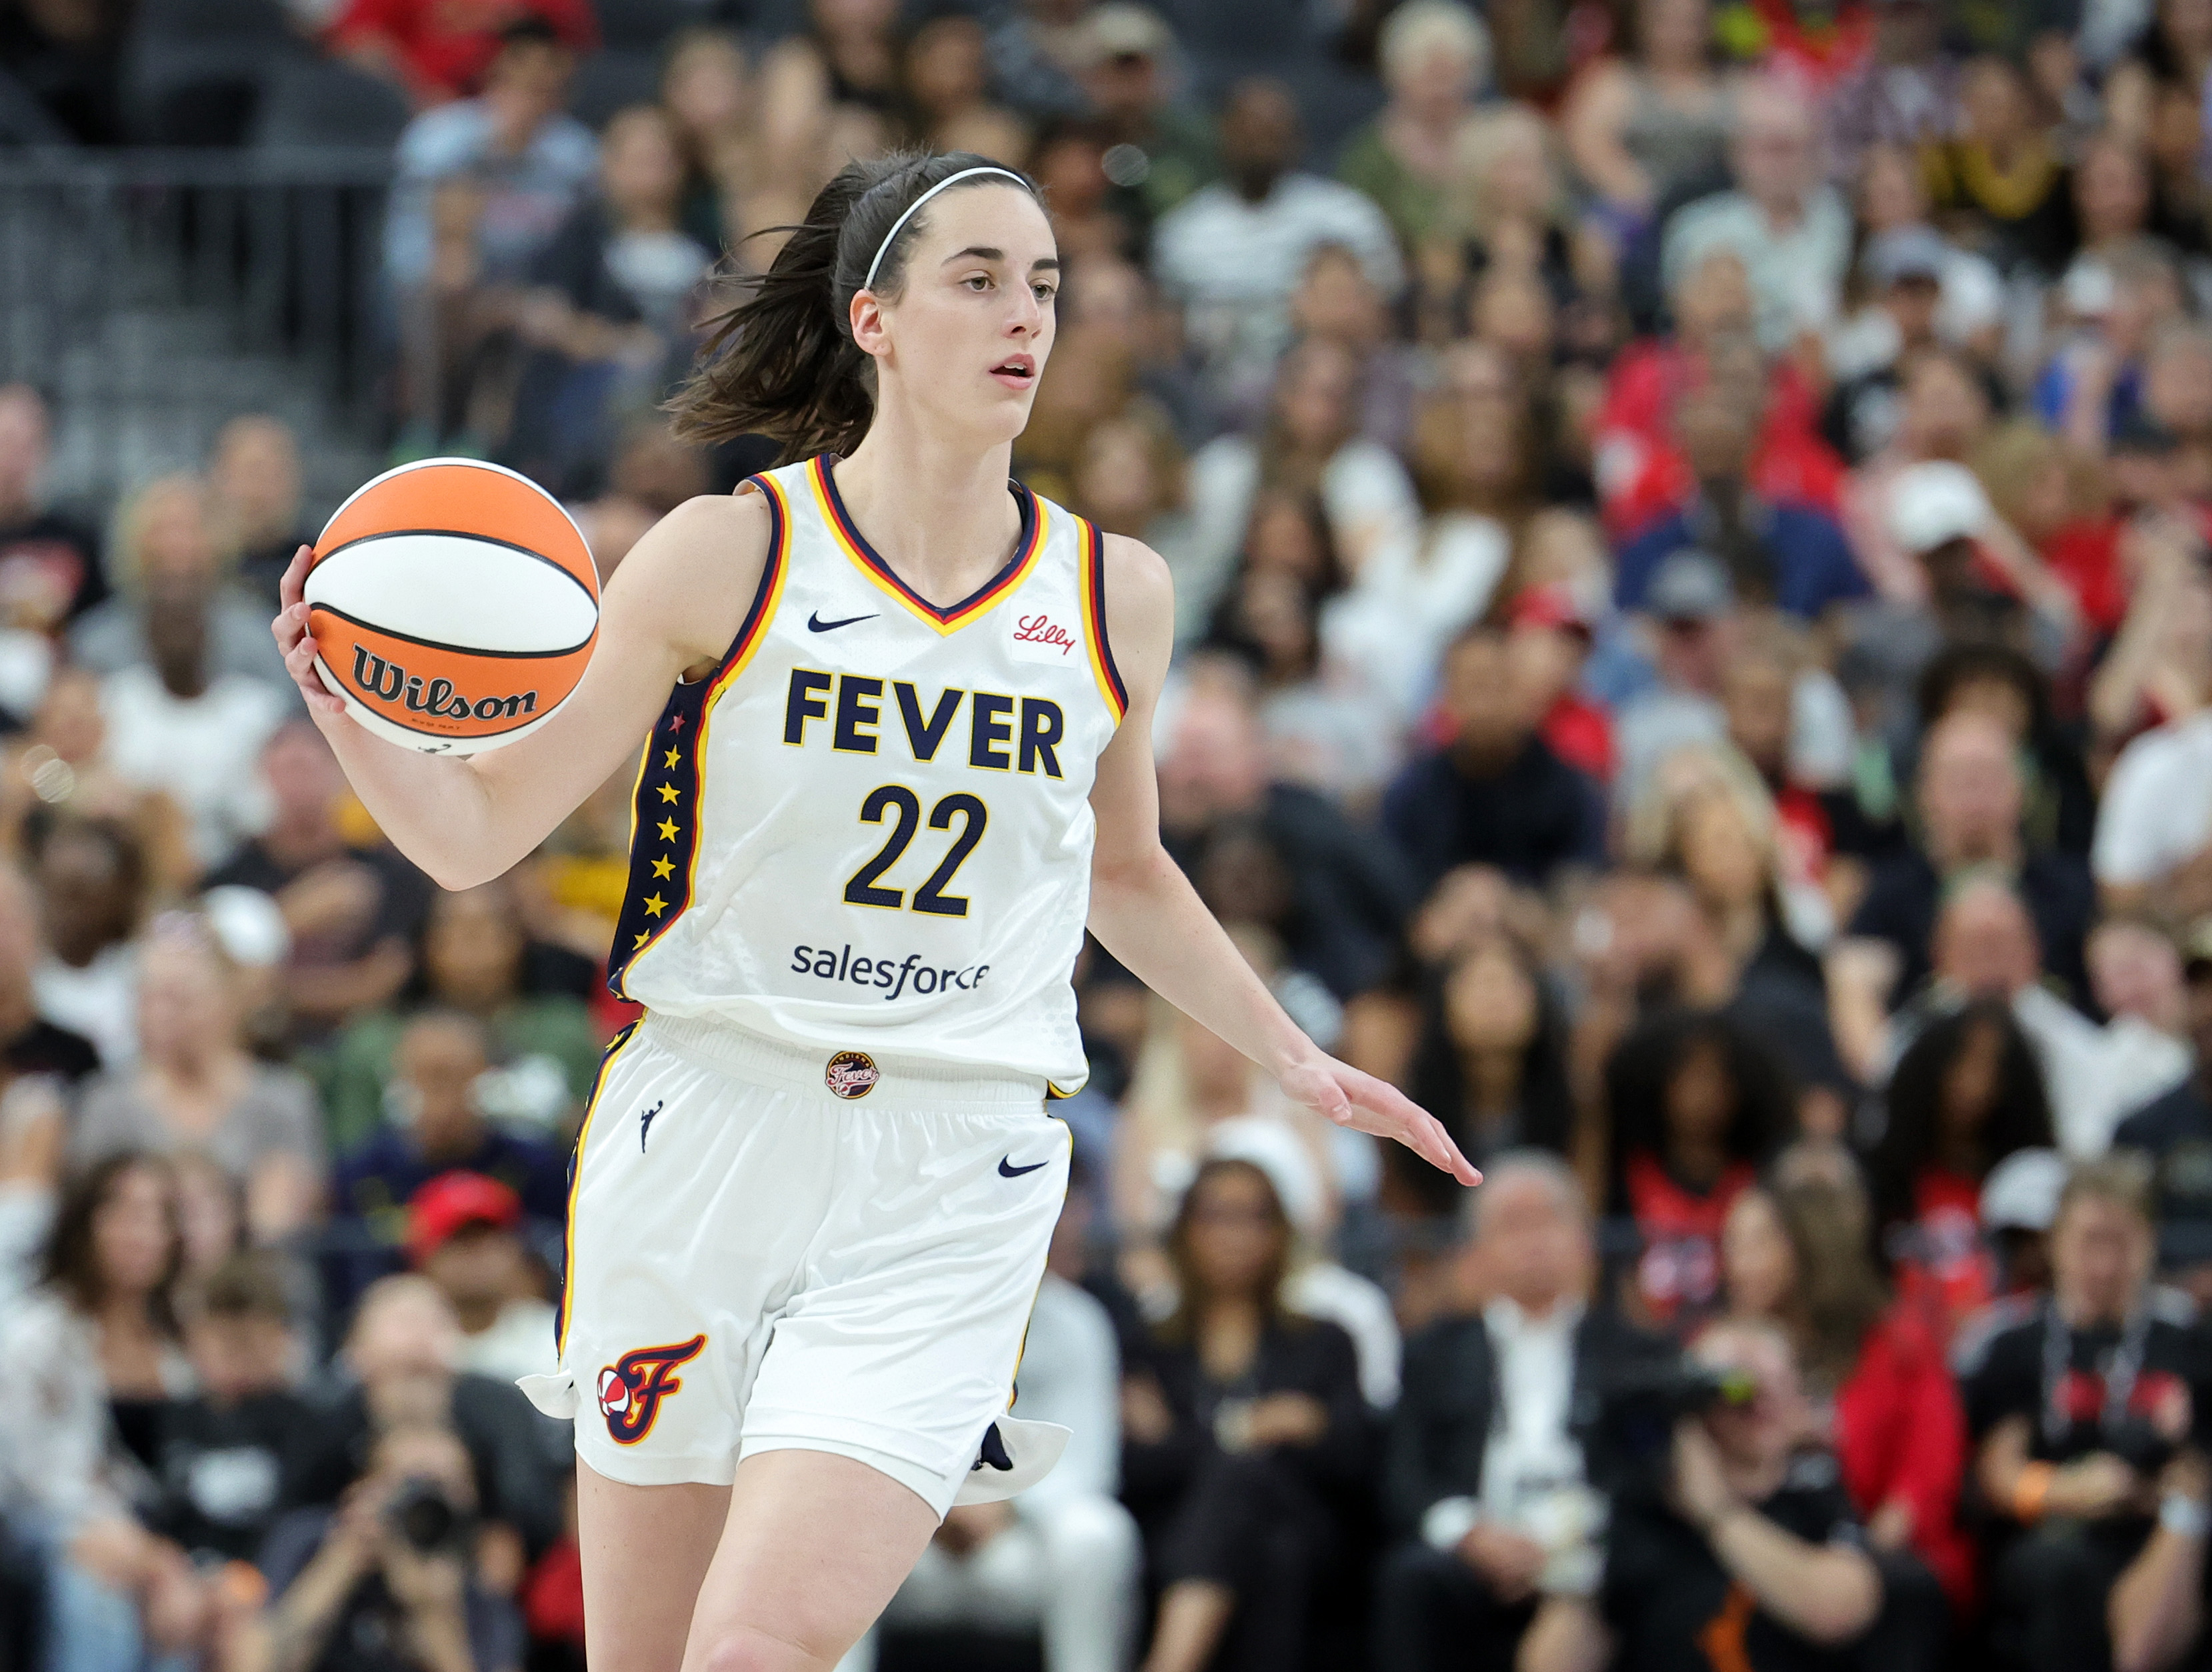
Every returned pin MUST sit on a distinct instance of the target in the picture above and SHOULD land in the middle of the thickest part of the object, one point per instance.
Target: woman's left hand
(1343, 1094)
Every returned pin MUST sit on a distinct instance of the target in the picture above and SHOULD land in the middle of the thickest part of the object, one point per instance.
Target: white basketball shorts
(772, 1248)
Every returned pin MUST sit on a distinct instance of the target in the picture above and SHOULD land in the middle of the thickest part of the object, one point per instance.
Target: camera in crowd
(1640, 1404)
(427, 1520)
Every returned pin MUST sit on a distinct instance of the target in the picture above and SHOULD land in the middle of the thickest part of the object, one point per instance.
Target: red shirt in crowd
(1641, 475)
(446, 45)
(1680, 1270)
(1946, 1275)
(1901, 1433)
(2085, 557)
(1581, 733)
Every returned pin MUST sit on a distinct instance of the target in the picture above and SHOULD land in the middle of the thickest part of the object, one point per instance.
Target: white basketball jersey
(869, 828)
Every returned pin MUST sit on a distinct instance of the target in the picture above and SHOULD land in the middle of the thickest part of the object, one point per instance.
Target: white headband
(884, 248)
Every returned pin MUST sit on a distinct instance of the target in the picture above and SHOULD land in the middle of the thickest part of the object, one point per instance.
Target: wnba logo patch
(632, 1388)
(851, 1074)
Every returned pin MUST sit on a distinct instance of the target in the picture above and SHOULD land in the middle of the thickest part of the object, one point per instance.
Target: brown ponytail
(782, 362)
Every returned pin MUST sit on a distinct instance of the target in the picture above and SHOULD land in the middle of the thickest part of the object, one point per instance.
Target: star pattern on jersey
(676, 724)
(643, 935)
(663, 867)
(667, 829)
(655, 904)
(669, 793)
(674, 756)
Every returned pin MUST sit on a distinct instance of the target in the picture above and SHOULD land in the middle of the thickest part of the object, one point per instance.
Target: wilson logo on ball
(393, 683)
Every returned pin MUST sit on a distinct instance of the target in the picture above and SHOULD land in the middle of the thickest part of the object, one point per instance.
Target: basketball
(454, 605)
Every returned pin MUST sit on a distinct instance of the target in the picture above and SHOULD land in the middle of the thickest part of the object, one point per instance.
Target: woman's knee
(748, 1649)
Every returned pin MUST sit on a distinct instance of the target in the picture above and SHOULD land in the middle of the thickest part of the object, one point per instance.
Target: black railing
(277, 252)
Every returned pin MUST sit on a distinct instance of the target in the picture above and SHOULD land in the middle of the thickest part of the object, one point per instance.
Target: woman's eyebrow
(988, 252)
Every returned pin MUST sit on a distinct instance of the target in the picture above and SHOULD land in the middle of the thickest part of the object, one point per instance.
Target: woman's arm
(1596, 109)
(676, 602)
(1144, 910)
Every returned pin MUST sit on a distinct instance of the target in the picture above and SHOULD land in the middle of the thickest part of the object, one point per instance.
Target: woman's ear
(864, 313)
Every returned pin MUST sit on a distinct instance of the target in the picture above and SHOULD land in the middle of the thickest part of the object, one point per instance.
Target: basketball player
(897, 716)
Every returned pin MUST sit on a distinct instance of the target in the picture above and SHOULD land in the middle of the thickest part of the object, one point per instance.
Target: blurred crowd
(1692, 530)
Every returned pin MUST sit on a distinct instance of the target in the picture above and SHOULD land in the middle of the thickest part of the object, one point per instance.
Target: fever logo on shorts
(851, 1074)
(632, 1388)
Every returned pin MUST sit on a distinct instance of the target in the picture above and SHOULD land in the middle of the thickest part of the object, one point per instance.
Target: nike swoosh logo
(816, 625)
(1005, 1171)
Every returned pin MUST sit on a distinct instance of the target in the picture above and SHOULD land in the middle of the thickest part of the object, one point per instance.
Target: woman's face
(134, 1233)
(1490, 1001)
(1721, 856)
(1971, 1082)
(1999, 699)
(640, 165)
(1236, 1237)
(1700, 1095)
(1520, 183)
(1945, 411)
(1757, 1262)
(1115, 482)
(1279, 618)
(947, 68)
(175, 542)
(1889, 190)
(185, 1002)
(473, 951)
(966, 338)
(1283, 539)
(1315, 399)
(706, 88)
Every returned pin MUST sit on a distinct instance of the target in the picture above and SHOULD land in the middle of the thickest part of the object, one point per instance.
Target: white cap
(2021, 1192)
(249, 925)
(1279, 1152)
(1933, 503)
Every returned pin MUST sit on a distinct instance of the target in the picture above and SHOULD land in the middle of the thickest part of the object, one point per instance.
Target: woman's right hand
(290, 628)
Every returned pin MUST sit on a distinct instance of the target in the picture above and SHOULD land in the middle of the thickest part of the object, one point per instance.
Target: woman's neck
(1228, 1330)
(934, 508)
(1699, 1161)
(646, 217)
(1958, 1150)
(1741, 925)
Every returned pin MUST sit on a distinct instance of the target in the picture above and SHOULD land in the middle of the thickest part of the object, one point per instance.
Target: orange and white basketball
(453, 605)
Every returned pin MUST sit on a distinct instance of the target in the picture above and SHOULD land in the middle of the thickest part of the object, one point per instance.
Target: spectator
(1753, 1544)
(1126, 76)
(476, 958)
(2082, 1406)
(1243, 1438)
(2001, 175)
(1793, 556)
(1231, 252)
(1966, 1095)
(352, 913)
(96, 1346)
(1970, 801)
(90, 877)
(1345, 894)
(1496, 794)
(1063, 1555)
(463, 1234)
(1491, 1475)
(707, 89)
(436, 55)
(220, 1465)
(608, 299)
(1492, 1060)
(1435, 58)
(1310, 445)
(49, 563)
(1644, 125)
(437, 1064)
(2154, 825)
(1797, 1255)
(1697, 1106)
(396, 1370)
(193, 1085)
(2174, 1132)
(1789, 228)
(948, 79)
(29, 1042)
(391, 1567)
(176, 724)
(166, 541)
(254, 479)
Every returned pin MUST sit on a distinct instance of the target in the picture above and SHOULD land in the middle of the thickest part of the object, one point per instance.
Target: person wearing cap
(1792, 555)
(1902, 269)
(1233, 251)
(2020, 1203)
(1690, 607)
(1159, 150)
(1550, 637)
(2084, 1408)
(2118, 298)
(463, 1234)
